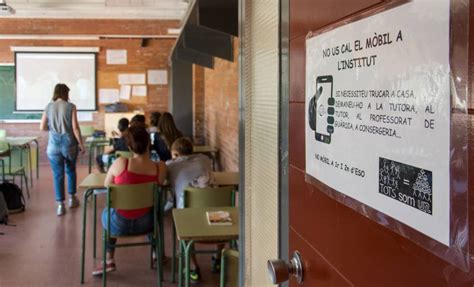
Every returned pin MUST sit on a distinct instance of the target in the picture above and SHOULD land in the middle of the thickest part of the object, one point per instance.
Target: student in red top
(139, 169)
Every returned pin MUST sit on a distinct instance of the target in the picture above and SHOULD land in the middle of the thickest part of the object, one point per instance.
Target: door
(339, 246)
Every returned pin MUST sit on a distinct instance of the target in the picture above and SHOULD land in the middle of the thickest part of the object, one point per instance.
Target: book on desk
(218, 218)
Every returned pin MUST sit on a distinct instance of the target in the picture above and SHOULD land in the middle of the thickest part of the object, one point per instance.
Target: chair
(86, 131)
(12, 170)
(229, 268)
(205, 197)
(3, 133)
(117, 154)
(135, 196)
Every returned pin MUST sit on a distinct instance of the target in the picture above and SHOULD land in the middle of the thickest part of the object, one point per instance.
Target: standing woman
(60, 119)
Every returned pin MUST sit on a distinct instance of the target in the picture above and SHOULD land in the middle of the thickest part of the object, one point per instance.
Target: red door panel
(327, 275)
(347, 248)
(308, 15)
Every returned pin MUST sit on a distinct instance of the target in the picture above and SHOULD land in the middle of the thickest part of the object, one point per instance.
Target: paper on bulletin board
(116, 57)
(125, 91)
(108, 96)
(139, 91)
(84, 116)
(378, 114)
(131, 79)
(157, 77)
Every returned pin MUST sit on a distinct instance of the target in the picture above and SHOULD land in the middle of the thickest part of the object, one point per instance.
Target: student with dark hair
(139, 169)
(188, 169)
(154, 120)
(138, 119)
(119, 144)
(167, 134)
(60, 119)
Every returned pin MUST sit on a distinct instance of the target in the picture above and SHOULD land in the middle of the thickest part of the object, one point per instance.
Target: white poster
(139, 91)
(116, 57)
(125, 91)
(108, 96)
(157, 77)
(131, 79)
(378, 113)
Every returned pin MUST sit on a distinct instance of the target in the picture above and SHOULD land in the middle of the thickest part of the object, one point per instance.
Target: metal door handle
(280, 270)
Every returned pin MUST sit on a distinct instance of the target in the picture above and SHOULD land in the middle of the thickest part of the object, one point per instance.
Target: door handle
(280, 270)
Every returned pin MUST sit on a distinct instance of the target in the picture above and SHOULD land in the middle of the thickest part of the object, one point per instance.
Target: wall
(153, 56)
(221, 109)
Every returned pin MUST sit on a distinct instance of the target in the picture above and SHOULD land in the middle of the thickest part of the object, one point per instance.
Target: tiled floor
(44, 250)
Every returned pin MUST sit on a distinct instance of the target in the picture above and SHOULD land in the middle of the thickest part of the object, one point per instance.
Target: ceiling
(99, 9)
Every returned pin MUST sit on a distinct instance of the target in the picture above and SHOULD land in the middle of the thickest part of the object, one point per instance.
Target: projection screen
(38, 73)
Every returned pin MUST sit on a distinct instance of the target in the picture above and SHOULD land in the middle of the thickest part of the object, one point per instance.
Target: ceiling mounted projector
(6, 10)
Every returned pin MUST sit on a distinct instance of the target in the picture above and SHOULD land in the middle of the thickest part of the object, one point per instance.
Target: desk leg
(180, 264)
(37, 158)
(173, 259)
(94, 206)
(30, 165)
(187, 251)
(84, 220)
(91, 146)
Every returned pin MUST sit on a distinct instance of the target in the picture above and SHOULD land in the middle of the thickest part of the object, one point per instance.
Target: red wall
(340, 246)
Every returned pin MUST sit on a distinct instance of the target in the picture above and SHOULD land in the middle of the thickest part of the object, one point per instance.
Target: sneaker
(109, 267)
(73, 201)
(195, 276)
(216, 265)
(61, 209)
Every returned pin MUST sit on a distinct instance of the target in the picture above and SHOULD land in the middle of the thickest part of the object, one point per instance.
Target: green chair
(202, 197)
(86, 131)
(12, 169)
(135, 196)
(229, 268)
(3, 134)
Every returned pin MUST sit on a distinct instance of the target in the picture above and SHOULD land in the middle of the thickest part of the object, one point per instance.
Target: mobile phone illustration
(324, 112)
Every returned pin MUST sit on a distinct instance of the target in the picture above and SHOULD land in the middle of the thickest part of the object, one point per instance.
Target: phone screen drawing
(324, 100)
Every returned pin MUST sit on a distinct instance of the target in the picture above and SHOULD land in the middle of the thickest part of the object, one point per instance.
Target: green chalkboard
(7, 97)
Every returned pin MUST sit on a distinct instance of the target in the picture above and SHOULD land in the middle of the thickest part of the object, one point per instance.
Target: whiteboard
(38, 73)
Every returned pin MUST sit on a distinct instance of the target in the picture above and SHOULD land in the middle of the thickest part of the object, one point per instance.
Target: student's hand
(82, 149)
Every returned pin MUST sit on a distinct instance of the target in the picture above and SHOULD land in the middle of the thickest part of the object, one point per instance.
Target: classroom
(236, 143)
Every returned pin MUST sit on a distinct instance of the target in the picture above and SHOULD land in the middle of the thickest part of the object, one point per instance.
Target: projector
(6, 10)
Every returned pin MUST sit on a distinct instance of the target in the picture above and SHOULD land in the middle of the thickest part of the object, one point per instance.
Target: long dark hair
(61, 91)
(168, 129)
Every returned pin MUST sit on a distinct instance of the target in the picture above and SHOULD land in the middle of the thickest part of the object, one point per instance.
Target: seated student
(138, 169)
(138, 119)
(188, 169)
(119, 144)
(154, 119)
(167, 134)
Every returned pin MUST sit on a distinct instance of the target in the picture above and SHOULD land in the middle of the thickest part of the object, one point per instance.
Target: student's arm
(44, 123)
(76, 130)
(162, 172)
(115, 169)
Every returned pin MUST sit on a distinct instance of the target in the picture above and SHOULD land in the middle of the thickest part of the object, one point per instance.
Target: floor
(44, 250)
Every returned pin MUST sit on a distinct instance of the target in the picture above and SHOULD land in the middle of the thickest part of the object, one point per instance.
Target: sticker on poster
(378, 113)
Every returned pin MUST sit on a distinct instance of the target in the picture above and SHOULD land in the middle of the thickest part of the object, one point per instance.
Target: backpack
(3, 210)
(13, 197)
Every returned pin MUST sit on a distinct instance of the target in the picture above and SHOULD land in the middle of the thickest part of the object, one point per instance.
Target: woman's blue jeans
(62, 154)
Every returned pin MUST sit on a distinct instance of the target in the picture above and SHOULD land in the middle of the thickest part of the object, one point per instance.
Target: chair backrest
(3, 133)
(86, 131)
(132, 196)
(4, 148)
(125, 154)
(209, 196)
(230, 268)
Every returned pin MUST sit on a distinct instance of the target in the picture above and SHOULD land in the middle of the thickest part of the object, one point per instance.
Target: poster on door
(378, 113)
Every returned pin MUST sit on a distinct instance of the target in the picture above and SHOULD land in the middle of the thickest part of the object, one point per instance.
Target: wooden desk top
(93, 180)
(96, 140)
(191, 224)
(224, 178)
(20, 141)
(204, 149)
